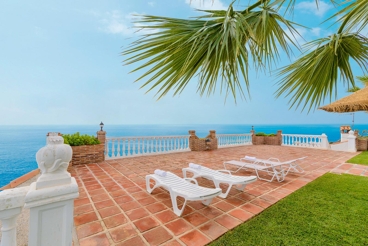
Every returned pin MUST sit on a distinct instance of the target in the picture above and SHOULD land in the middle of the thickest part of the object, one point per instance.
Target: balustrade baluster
(123, 147)
(113, 147)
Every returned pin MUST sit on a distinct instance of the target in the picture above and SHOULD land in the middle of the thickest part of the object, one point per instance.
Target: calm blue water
(19, 144)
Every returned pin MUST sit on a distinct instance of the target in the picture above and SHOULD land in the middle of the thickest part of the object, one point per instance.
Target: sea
(19, 144)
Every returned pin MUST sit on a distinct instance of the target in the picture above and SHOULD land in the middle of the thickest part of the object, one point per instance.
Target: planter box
(274, 140)
(361, 144)
(266, 140)
(87, 154)
(258, 140)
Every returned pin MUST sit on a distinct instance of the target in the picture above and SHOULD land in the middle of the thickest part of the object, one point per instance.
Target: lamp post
(101, 125)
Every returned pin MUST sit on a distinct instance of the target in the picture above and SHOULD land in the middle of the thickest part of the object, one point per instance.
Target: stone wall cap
(13, 198)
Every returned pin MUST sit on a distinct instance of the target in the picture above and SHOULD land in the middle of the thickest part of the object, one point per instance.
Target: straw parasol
(358, 101)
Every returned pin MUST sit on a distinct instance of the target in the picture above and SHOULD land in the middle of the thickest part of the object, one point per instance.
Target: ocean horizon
(20, 143)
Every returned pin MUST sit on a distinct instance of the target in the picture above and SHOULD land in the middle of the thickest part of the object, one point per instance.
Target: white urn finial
(53, 161)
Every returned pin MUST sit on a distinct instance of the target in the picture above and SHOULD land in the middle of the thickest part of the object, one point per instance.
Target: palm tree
(221, 46)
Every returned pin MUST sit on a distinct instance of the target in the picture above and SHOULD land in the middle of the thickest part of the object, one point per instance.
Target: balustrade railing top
(120, 147)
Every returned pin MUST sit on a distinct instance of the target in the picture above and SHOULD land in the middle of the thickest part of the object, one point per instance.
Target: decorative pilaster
(51, 198)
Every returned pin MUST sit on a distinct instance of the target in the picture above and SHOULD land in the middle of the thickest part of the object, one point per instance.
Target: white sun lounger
(271, 166)
(182, 188)
(218, 177)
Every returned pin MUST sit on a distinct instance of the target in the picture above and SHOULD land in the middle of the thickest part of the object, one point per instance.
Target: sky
(61, 64)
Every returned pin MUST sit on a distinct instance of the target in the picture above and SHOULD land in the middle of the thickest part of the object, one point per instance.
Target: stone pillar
(51, 198)
(192, 139)
(214, 143)
(11, 204)
(212, 134)
(324, 142)
(352, 142)
(279, 137)
(101, 135)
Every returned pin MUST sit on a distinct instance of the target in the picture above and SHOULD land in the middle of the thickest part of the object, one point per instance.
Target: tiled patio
(114, 207)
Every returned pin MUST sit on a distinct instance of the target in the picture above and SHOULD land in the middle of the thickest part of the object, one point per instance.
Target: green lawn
(332, 210)
(362, 159)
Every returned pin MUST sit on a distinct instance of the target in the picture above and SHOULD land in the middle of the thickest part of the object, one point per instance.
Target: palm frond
(216, 46)
(354, 16)
(314, 76)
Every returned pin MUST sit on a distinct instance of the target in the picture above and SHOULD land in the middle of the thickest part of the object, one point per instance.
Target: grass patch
(331, 210)
(362, 159)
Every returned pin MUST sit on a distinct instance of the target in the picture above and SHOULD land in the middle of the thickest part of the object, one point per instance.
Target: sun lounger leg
(207, 201)
(148, 186)
(174, 202)
(269, 180)
(223, 194)
(240, 187)
(232, 171)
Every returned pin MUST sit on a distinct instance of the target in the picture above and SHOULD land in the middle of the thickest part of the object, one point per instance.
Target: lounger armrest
(224, 171)
(191, 179)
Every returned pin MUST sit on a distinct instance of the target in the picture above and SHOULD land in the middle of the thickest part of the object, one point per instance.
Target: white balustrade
(120, 147)
(50, 199)
(230, 140)
(11, 204)
(306, 141)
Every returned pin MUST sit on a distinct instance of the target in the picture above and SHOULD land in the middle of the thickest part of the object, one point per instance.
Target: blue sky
(61, 64)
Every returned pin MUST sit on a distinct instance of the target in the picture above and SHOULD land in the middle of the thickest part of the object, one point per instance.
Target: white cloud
(151, 3)
(116, 23)
(316, 31)
(311, 7)
(206, 4)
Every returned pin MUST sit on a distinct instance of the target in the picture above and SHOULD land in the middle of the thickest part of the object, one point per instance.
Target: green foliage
(264, 134)
(328, 211)
(316, 74)
(221, 46)
(77, 140)
(361, 159)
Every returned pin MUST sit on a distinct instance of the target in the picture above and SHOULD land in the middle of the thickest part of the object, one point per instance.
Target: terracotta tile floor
(115, 209)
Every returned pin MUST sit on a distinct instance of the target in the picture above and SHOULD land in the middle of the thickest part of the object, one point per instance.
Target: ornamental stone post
(51, 198)
(352, 142)
(324, 142)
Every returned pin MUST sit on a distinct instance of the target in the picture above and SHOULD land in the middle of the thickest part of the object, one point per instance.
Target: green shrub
(264, 134)
(77, 140)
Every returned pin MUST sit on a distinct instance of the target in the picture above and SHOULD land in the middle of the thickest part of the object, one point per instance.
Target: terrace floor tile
(195, 238)
(114, 207)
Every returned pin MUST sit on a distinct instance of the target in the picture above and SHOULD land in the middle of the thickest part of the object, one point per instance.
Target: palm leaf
(314, 76)
(354, 16)
(216, 46)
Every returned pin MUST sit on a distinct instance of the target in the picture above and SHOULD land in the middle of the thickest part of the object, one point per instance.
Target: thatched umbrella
(358, 101)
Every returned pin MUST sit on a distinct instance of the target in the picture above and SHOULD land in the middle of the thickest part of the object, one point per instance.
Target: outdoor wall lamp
(101, 125)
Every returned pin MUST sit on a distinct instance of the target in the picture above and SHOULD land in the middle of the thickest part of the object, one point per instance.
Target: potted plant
(86, 149)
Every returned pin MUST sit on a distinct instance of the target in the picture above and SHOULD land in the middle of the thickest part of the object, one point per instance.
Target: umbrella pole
(353, 122)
